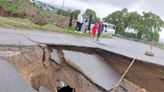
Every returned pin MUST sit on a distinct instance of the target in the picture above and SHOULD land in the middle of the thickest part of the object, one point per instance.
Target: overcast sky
(105, 7)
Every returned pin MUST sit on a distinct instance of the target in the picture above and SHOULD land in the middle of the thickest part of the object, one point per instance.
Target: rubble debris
(94, 68)
(149, 53)
(55, 57)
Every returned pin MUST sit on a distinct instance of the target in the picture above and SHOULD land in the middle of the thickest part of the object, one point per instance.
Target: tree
(90, 12)
(96, 19)
(133, 19)
(64, 12)
(117, 18)
(71, 19)
(153, 23)
(75, 13)
(147, 25)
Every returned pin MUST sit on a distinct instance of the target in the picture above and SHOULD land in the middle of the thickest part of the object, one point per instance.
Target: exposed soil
(30, 65)
(148, 76)
(5, 13)
(35, 66)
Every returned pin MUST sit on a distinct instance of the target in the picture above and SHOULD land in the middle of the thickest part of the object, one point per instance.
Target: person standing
(79, 22)
(89, 23)
(94, 29)
(86, 23)
(100, 29)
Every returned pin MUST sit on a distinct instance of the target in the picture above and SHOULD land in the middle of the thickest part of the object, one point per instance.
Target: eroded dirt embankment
(146, 75)
(35, 66)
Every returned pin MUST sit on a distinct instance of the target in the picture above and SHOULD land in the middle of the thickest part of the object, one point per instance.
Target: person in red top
(94, 29)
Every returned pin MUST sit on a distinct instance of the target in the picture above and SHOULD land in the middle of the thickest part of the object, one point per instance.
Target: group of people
(97, 28)
(83, 22)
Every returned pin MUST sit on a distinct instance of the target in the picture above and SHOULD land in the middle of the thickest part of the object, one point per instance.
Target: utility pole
(62, 20)
(62, 7)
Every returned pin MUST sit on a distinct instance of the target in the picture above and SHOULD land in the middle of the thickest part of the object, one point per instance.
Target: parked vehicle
(109, 28)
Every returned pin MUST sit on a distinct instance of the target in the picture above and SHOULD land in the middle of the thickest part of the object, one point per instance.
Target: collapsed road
(42, 58)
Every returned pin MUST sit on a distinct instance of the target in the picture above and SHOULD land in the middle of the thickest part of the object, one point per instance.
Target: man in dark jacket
(100, 30)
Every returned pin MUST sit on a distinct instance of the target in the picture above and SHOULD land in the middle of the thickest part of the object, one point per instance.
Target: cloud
(102, 9)
(155, 6)
(120, 3)
(105, 7)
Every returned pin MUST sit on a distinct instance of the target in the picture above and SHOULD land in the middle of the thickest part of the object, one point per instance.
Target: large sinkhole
(84, 70)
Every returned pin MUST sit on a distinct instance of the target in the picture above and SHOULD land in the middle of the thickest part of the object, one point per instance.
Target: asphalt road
(10, 81)
(124, 47)
(94, 67)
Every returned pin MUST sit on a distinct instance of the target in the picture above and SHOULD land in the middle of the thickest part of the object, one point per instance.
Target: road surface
(10, 81)
(94, 67)
(124, 47)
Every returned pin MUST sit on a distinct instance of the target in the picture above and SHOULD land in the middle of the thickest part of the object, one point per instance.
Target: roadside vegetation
(11, 22)
(156, 44)
(34, 16)
(147, 26)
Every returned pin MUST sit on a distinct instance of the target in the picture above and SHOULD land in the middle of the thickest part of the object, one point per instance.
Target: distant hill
(51, 7)
(16, 8)
(38, 12)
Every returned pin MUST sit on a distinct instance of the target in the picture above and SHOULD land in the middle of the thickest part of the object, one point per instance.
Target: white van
(109, 29)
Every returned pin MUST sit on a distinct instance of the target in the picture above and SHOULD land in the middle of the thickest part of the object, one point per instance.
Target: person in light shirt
(79, 24)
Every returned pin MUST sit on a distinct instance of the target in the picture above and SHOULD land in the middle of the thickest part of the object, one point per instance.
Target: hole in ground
(66, 89)
(63, 86)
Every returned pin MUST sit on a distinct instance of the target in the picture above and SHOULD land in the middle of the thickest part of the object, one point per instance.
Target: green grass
(156, 44)
(20, 7)
(10, 22)
(27, 24)
(16, 6)
(106, 36)
(17, 22)
(160, 46)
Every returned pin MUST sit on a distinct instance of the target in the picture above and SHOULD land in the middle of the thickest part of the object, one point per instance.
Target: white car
(109, 29)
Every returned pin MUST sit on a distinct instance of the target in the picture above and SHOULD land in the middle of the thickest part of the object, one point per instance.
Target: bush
(126, 34)
(40, 20)
(152, 36)
(24, 9)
